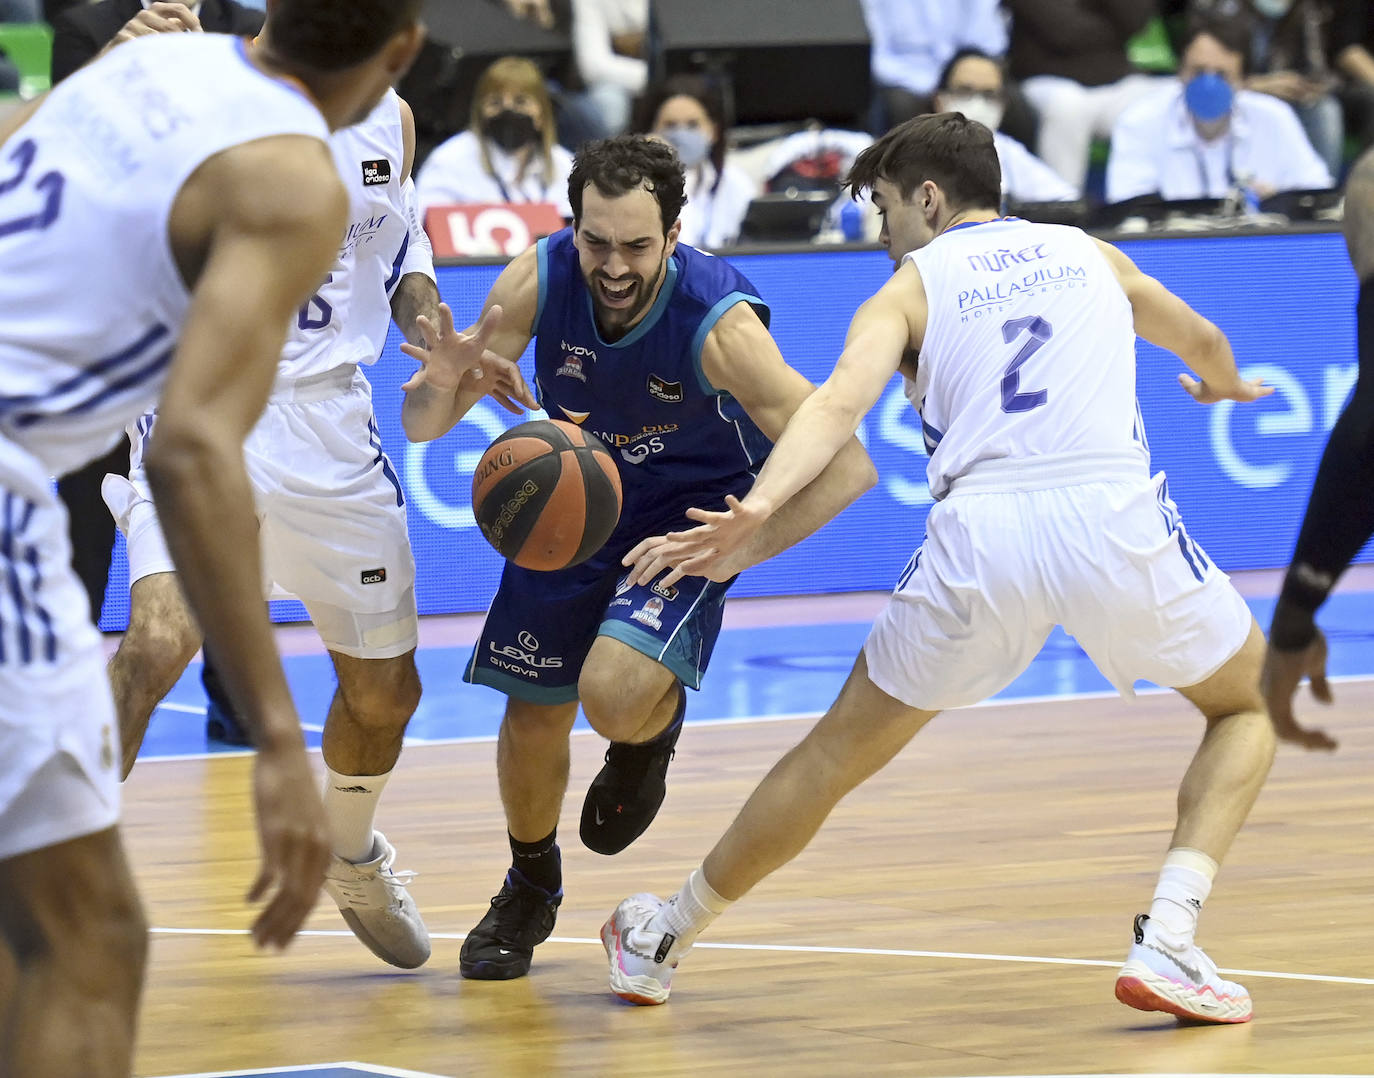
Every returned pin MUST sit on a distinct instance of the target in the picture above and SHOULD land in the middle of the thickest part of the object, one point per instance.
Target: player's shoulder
(288, 179)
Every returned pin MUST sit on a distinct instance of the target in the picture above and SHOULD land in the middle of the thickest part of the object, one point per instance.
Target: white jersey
(346, 321)
(91, 301)
(1029, 352)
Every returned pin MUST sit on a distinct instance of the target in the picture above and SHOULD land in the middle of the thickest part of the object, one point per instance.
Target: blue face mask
(691, 144)
(1208, 96)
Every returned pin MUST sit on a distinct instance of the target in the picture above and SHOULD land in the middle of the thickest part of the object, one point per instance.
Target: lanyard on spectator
(1201, 159)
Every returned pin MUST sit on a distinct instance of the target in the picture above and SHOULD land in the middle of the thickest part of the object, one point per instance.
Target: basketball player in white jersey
(1046, 514)
(163, 213)
(333, 528)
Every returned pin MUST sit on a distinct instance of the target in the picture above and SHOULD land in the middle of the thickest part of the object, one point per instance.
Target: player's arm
(459, 369)
(1165, 320)
(823, 422)
(740, 357)
(256, 252)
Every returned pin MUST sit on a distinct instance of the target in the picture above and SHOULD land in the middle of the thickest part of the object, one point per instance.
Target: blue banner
(1240, 474)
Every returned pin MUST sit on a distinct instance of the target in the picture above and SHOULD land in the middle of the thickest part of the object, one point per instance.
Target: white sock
(350, 806)
(1184, 884)
(689, 911)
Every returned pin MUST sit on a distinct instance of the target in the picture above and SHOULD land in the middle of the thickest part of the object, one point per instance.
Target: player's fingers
(672, 578)
(415, 352)
(506, 403)
(706, 516)
(427, 328)
(180, 14)
(446, 327)
(266, 874)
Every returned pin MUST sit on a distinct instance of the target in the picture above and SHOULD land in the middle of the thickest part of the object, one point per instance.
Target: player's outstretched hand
(451, 361)
(718, 550)
(1241, 389)
(1283, 671)
(294, 843)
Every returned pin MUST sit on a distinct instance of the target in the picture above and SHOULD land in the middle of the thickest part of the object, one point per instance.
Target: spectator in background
(688, 112)
(1070, 56)
(972, 83)
(1205, 137)
(1312, 54)
(539, 12)
(914, 39)
(608, 44)
(508, 152)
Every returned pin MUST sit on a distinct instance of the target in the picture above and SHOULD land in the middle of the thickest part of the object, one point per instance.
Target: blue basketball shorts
(541, 625)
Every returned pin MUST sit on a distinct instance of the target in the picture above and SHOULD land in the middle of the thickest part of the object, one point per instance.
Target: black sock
(539, 862)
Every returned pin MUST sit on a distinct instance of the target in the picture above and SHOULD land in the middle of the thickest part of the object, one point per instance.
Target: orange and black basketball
(546, 494)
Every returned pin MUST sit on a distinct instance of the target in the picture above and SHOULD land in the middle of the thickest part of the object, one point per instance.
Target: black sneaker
(625, 796)
(501, 946)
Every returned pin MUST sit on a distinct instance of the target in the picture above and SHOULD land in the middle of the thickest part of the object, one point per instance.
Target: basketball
(546, 494)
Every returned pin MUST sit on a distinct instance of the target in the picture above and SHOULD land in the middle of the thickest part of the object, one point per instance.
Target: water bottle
(852, 221)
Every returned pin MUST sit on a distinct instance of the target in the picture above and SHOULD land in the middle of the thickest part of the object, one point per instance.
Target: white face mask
(976, 108)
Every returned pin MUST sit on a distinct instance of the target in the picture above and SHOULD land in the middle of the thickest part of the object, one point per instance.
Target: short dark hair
(959, 57)
(330, 35)
(619, 165)
(1235, 34)
(954, 152)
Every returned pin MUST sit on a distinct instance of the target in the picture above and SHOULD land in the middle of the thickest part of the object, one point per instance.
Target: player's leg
(653, 644)
(71, 919)
(966, 618)
(1166, 970)
(532, 647)
(532, 769)
(1146, 603)
(160, 641)
(1340, 511)
(362, 739)
(860, 733)
(162, 636)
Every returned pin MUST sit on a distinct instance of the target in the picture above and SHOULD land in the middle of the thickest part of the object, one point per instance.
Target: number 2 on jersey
(50, 184)
(1013, 400)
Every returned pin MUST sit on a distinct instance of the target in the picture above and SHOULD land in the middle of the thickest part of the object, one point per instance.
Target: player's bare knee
(380, 692)
(616, 708)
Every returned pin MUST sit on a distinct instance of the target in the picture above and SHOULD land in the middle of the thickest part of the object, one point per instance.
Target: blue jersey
(678, 440)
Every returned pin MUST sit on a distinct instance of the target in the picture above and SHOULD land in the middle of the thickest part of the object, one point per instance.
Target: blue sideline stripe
(94, 371)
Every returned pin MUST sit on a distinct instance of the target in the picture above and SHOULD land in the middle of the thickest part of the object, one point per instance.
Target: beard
(615, 321)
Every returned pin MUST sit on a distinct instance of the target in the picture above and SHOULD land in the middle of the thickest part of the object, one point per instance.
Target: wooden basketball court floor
(962, 914)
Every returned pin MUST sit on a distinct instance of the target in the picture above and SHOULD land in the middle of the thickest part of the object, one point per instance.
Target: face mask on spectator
(1273, 9)
(1208, 96)
(978, 108)
(510, 130)
(691, 144)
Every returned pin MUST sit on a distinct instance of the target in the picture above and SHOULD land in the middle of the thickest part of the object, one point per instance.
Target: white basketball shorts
(330, 509)
(59, 742)
(1109, 561)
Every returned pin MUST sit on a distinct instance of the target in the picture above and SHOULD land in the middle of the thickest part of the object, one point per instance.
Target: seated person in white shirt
(508, 153)
(973, 83)
(1205, 137)
(688, 112)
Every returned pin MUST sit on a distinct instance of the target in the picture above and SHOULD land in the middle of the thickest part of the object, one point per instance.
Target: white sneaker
(642, 962)
(1182, 982)
(374, 901)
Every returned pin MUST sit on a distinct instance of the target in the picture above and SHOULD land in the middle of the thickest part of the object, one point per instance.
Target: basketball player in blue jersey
(164, 212)
(664, 354)
(1046, 514)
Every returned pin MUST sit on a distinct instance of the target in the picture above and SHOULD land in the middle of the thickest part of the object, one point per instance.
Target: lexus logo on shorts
(528, 641)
